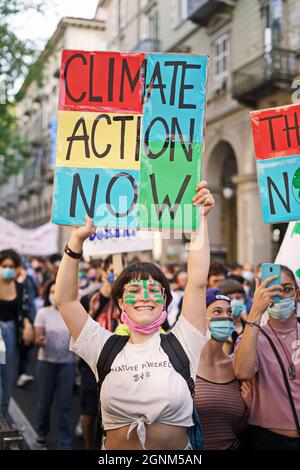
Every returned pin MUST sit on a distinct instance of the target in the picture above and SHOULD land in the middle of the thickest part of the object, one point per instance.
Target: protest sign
(129, 139)
(276, 135)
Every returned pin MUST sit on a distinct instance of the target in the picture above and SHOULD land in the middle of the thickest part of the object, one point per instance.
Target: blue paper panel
(108, 196)
(279, 185)
(181, 88)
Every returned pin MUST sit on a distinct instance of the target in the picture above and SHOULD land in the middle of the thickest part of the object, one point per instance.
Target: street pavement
(23, 409)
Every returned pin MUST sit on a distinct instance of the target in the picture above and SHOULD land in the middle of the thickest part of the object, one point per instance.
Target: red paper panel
(102, 81)
(276, 132)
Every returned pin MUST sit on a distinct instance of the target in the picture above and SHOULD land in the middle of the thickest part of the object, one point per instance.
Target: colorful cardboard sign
(276, 133)
(129, 139)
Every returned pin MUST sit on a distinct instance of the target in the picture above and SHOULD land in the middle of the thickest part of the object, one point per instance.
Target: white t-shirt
(143, 386)
(57, 335)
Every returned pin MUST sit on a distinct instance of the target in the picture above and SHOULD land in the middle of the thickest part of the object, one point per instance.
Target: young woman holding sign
(139, 407)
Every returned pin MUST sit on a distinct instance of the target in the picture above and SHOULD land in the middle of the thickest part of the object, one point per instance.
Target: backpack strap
(169, 344)
(110, 350)
(178, 358)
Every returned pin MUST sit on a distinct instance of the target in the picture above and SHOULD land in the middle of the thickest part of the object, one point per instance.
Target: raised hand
(80, 234)
(263, 296)
(203, 197)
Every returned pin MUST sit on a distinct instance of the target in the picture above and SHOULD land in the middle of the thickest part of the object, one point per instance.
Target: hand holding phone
(268, 270)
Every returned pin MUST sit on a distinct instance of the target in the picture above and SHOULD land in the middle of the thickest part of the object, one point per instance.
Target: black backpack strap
(110, 350)
(178, 358)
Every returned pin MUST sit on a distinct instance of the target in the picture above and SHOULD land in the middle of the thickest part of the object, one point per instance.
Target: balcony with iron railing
(200, 11)
(270, 72)
(148, 45)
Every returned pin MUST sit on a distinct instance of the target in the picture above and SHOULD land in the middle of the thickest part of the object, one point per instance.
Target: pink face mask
(145, 329)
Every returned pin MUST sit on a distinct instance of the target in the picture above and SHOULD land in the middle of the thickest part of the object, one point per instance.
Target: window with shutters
(220, 62)
(179, 12)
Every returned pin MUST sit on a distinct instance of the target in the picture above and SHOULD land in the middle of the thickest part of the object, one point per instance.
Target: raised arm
(66, 286)
(194, 304)
(245, 355)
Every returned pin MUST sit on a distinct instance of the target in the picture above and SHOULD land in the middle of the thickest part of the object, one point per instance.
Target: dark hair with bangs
(12, 255)
(289, 273)
(140, 271)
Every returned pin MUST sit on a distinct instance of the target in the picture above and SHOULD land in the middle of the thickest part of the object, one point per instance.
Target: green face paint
(152, 289)
(130, 299)
(146, 296)
(158, 299)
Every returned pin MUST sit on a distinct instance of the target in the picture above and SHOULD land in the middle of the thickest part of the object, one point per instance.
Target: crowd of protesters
(241, 396)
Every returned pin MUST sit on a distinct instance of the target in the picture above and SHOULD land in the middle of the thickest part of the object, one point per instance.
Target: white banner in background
(289, 253)
(40, 241)
(111, 241)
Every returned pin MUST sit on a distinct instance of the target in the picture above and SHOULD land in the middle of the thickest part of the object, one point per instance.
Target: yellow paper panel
(98, 140)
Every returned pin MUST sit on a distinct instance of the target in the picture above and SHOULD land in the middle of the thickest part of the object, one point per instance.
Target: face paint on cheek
(158, 299)
(130, 299)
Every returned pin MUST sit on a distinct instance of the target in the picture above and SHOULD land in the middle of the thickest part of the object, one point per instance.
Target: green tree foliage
(15, 59)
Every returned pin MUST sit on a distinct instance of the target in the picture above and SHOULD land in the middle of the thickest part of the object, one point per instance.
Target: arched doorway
(221, 168)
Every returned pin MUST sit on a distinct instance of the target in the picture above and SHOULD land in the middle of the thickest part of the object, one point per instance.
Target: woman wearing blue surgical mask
(222, 403)
(273, 422)
(237, 295)
(14, 324)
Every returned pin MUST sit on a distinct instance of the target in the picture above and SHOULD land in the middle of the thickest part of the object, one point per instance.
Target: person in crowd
(222, 403)
(169, 271)
(236, 272)
(257, 274)
(101, 308)
(38, 273)
(31, 292)
(14, 323)
(235, 291)
(274, 424)
(139, 407)
(54, 261)
(217, 273)
(248, 271)
(55, 370)
(93, 274)
(83, 281)
(180, 280)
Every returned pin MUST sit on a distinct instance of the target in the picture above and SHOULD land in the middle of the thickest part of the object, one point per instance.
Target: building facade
(254, 49)
(27, 197)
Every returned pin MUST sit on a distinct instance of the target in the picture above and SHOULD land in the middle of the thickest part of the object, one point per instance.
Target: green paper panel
(165, 178)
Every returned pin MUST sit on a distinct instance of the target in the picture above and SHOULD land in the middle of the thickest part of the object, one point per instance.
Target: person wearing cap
(222, 403)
